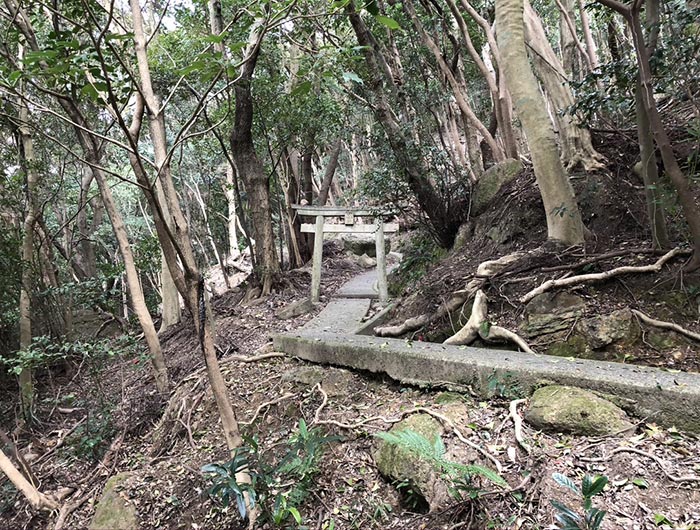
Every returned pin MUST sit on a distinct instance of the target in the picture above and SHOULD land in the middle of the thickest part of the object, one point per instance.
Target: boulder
(604, 330)
(295, 309)
(114, 511)
(401, 465)
(573, 410)
(366, 262)
(552, 312)
(491, 181)
(360, 245)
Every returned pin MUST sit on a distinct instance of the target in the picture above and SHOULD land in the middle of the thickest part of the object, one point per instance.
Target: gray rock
(401, 465)
(295, 309)
(568, 409)
(366, 262)
(552, 312)
(491, 181)
(114, 511)
(359, 245)
(604, 330)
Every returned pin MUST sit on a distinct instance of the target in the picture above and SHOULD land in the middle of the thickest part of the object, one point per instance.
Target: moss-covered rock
(114, 511)
(491, 181)
(404, 466)
(574, 346)
(568, 409)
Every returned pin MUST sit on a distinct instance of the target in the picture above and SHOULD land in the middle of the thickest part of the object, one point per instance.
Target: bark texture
(563, 217)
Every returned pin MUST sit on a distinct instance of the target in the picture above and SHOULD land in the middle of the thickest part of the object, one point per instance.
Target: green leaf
(388, 22)
(301, 89)
(295, 513)
(565, 481)
(485, 328)
(352, 76)
(592, 487)
(371, 7)
(640, 483)
(91, 92)
(660, 518)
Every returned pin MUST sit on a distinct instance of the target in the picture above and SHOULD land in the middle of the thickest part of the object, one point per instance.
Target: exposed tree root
(518, 424)
(478, 326)
(484, 271)
(666, 325)
(601, 276)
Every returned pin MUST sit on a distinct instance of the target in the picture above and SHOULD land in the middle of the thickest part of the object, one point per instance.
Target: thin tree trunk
(330, 172)
(563, 218)
(38, 500)
(457, 90)
(250, 169)
(28, 160)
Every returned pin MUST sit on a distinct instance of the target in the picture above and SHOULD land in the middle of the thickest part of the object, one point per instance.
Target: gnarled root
(485, 270)
(477, 326)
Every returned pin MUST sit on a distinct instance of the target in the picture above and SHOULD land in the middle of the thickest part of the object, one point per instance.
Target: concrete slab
(341, 315)
(670, 399)
(363, 285)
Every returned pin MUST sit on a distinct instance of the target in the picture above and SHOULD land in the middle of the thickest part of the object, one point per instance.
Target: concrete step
(666, 398)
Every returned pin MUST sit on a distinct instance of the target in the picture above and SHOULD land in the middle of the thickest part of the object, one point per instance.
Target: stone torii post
(348, 226)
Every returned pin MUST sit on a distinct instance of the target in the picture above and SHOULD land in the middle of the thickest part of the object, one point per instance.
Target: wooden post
(318, 258)
(381, 261)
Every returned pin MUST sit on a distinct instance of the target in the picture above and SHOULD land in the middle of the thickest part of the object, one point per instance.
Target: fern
(434, 454)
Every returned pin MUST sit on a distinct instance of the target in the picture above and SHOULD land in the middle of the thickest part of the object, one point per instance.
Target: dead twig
(659, 462)
(264, 405)
(317, 415)
(587, 278)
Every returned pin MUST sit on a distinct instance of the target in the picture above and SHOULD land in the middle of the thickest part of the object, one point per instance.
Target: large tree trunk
(250, 169)
(563, 218)
(575, 141)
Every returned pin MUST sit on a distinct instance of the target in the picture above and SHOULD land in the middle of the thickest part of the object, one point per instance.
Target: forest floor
(103, 416)
(163, 453)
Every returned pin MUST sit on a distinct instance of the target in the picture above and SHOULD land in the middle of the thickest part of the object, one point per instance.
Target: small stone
(568, 409)
(603, 330)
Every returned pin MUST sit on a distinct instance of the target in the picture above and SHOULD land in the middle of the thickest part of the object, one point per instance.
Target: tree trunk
(176, 242)
(330, 172)
(575, 141)
(563, 218)
(444, 224)
(251, 171)
(38, 500)
(457, 90)
(28, 161)
(568, 40)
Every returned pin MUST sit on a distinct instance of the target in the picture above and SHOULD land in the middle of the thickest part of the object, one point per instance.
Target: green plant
(504, 386)
(277, 486)
(566, 517)
(458, 476)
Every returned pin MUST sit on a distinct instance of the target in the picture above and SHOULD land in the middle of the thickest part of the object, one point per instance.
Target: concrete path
(669, 399)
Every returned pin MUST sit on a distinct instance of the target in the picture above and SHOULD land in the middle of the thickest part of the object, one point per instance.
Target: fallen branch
(666, 325)
(518, 424)
(38, 500)
(601, 276)
(255, 358)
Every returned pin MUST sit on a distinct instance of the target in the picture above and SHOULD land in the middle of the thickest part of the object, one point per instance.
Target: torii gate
(378, 228)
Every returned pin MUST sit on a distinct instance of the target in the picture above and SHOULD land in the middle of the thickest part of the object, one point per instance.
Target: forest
(182, 346)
